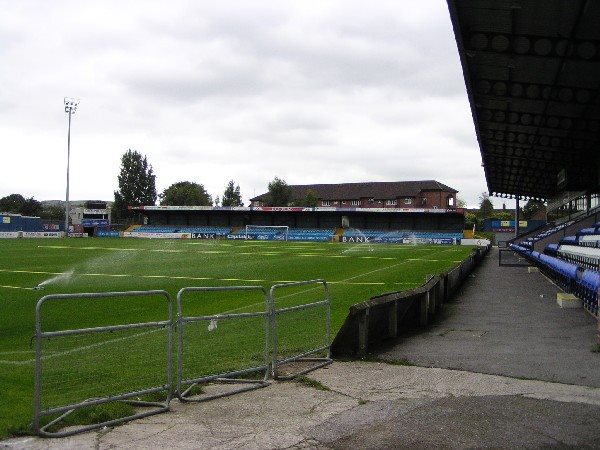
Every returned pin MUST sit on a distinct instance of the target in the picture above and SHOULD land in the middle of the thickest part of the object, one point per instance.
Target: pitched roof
(377, 189)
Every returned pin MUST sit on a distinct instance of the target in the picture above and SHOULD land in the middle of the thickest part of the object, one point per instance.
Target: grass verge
(310, 382)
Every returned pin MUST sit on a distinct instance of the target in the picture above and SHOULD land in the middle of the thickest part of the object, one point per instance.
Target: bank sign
(396, 240)
(204, 236)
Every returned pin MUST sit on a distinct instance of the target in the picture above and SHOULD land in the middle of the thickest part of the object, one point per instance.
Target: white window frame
(392, 202)
(408, 201)
(354, 202)
(325, 203)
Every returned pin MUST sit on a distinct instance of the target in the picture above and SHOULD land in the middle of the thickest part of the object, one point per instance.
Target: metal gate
(301, 331)
(85, 367)
(241, 345)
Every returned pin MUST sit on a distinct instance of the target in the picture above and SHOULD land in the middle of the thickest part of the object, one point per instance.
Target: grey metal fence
(301, 330)
(81, 368)
(222, 347)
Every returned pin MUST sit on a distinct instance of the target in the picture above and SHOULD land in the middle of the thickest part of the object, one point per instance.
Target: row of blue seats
(583, 282)
(296, 231)
(222, 231)
(586, 288)
(586, 256)
(583, 239)
(528, 243)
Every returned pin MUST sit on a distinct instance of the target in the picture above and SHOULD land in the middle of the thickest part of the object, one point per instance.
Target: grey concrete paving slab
(368, 405)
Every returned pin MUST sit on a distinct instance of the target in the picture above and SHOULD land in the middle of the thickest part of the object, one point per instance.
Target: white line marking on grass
(218, 252)
(77, 349)
(17, 287)
(169, 277)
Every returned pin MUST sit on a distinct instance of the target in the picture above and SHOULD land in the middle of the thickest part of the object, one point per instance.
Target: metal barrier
(511, 258)
(309, 329)
(245, 333)
(82, 368)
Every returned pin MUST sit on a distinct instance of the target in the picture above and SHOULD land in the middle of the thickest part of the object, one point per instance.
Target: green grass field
(354, 273)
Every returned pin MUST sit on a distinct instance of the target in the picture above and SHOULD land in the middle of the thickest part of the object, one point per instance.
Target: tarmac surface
(495, 325)
(506, 321)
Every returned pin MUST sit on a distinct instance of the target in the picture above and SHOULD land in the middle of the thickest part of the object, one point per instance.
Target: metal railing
(246, 333)
(85, 367)
(289, 340)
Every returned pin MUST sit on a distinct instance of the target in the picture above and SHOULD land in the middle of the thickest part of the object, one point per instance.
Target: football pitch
(354, 273)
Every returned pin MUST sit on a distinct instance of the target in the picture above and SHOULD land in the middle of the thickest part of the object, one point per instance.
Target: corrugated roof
(376, 189)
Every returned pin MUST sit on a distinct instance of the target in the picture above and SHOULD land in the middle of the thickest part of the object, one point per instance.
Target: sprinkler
(39, 287)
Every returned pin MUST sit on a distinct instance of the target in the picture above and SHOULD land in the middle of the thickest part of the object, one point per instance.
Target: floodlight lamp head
(71, 105)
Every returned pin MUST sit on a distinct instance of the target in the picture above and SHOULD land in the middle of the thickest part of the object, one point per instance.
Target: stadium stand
(573, 263)
(552, 229)
(293, 234)
(219, 231)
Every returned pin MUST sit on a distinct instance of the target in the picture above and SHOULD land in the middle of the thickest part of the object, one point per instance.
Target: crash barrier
(382, 317)
(77, 368)
(222, 347)
(301, 331)
(81, 368)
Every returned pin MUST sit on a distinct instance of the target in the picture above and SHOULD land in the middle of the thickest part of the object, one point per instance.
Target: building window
(391, 202)
(325, 203)
(355, 202)
(408, 201)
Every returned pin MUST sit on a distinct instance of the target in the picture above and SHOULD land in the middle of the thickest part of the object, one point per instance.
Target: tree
(137, 184)
(470, 220)
(486, 207)
(309, 199)
(504, 215)
(53, 212)
(12, 203)
(185, 193)
(530, 208)
(280, 193)
(31, 207)
(17, 204)
(460, 203)
(232, 195)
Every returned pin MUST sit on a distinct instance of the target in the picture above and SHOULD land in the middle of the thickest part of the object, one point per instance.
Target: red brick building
(397, 194)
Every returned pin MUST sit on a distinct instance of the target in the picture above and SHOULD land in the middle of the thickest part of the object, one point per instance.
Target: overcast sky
(310, 91)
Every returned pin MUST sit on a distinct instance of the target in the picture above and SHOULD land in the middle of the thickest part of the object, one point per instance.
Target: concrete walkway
(368, 405)
(505, 321)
